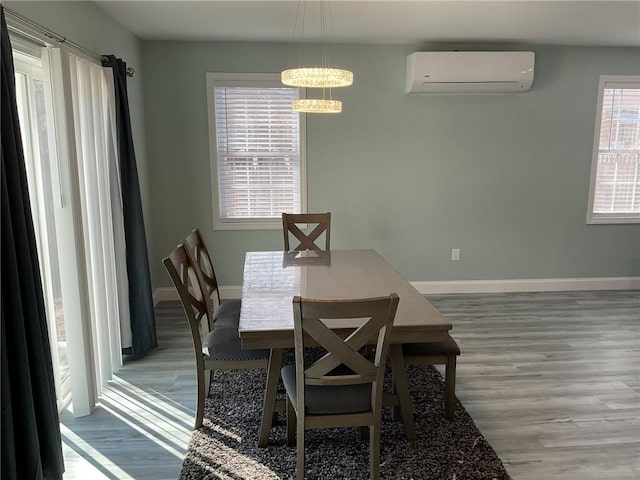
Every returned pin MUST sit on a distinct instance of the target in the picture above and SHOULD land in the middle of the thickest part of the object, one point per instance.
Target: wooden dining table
(272, 279)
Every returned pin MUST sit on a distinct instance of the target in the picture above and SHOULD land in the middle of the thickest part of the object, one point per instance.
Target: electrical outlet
(455, 254)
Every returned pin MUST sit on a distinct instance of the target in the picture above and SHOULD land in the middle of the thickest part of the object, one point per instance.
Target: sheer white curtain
(74, 147)
(91, 243)
(94, 125)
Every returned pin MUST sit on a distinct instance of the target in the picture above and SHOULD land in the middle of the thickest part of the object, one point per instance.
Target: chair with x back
(220, 349)
(225, 313)
(343, 387)
(291, 223)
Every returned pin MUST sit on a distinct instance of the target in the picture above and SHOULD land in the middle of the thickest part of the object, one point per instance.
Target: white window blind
(615, 185)
(258, 153)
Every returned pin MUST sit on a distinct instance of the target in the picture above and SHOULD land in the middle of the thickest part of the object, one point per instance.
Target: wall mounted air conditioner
(469, 72)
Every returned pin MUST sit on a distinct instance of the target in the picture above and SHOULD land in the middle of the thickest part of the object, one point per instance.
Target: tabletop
(272, 279)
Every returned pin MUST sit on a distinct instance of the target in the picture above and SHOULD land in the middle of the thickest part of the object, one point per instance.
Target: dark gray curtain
(143, 322)
(31, 443)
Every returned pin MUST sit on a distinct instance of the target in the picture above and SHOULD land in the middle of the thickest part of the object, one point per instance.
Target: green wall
(502, 177)
(505, 178)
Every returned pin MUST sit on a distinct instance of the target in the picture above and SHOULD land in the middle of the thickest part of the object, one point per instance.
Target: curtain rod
(51, 35)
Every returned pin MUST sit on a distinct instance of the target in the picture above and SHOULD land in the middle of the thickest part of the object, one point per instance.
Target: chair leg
(374, 449)
(300, 448)
(396, 414)
(291, 423)
(450, 387)
(203, 388)
(207, 382)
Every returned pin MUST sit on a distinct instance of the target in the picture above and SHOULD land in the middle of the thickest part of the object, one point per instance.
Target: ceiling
(603, 23)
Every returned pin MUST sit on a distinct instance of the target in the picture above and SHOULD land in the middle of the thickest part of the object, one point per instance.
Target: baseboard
(528, 285)
(471, 286)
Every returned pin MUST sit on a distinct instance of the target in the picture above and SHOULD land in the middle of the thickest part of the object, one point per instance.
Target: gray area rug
(225, 447)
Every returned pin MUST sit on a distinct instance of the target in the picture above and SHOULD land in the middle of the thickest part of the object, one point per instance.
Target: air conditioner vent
(469, 72)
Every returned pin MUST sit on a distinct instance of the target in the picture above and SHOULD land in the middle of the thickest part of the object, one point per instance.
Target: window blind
(617, 182)
(258, 152)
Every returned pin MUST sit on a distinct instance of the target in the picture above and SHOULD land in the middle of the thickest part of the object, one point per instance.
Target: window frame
(29, 66)
(606, 218)
(267, 80)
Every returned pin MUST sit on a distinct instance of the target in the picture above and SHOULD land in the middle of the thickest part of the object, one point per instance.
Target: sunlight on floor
(151, 414)
(88, 468)
(138, 415)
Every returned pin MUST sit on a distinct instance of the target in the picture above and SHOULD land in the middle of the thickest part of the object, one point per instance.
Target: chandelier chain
(322, 77)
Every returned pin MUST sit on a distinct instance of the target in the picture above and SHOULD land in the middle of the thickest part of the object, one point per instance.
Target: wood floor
(143, 424)
(551, 379)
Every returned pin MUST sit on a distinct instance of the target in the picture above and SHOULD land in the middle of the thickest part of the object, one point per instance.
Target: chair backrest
(190, 286)
(200, 253)
(376, 314)
(322, 222)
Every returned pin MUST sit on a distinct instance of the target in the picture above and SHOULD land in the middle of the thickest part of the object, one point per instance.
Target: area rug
(225, 447)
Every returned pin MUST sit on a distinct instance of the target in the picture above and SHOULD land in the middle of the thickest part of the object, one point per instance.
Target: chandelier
(317, 77)
(317, 105)
(320, 76)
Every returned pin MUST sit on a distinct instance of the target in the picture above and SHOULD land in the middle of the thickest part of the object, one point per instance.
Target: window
(257, 150)
(41, 167)
(65, 108)
(614, 195)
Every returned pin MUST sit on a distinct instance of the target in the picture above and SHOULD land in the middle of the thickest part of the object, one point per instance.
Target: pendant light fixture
(320, 76)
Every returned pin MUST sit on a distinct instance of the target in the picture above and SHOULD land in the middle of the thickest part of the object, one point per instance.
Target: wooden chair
(220, 349)
(342, 388)
(322, 222)
(444, 352)
(227, 313)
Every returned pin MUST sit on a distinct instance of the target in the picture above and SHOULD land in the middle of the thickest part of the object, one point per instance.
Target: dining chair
(290, 225)
(225, 313)
(220, 349)
(444, 352)
(343, 387)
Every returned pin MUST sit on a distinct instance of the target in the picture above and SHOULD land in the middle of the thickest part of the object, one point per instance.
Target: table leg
(402, 389)
(273, 376)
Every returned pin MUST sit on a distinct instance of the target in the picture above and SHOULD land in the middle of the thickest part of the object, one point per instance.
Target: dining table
(272, 278)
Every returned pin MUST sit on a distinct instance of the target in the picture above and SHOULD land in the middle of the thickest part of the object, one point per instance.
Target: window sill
(275, 224)
(612, 219)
